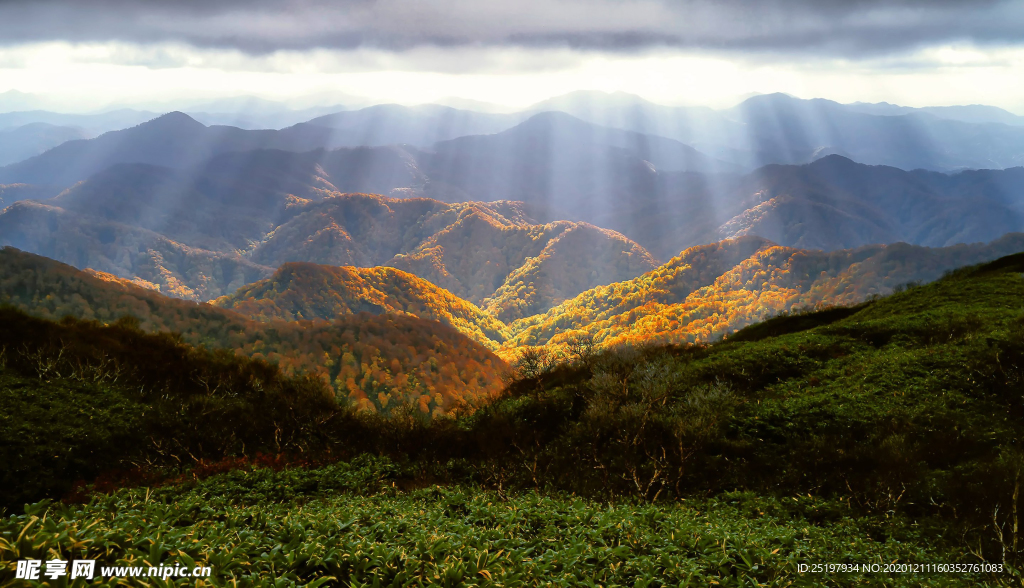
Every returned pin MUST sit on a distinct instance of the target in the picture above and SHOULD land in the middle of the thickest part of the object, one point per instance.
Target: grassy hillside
(306, 291)
(710, 291)
(371, 361)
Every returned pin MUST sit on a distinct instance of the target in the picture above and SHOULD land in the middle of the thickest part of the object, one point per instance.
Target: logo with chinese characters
(30, 569)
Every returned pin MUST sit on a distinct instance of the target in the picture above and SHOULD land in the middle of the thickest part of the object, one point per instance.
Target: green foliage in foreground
(79, 400)
(346, 524)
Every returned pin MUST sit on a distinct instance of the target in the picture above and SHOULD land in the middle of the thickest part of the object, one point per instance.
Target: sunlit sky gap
(161, 55)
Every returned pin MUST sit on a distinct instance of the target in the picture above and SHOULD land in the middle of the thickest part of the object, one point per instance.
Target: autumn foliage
(306, 291)
(374, 362)
(710, 291)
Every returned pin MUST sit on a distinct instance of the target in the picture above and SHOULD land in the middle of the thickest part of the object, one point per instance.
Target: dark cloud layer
(839, 27)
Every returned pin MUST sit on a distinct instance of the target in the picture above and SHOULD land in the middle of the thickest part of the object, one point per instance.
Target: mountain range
(778, 128)
(295, 315)
(205, 231)
(561, 167)
(710, 291)
(529, 228)
(762, 130)
(215, 242)
(704, 294)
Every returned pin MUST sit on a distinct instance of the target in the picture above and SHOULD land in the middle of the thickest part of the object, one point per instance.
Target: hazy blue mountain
(177, 140)
(92, 124)
(421, 126)
(796, 131)
(234, 199)
(565, 168)
(835, 203)
(245, 112)
(474, 105)
(971, 113)
(699, 126)
(224, 188)
(172, 140)
(832, 203)
(557, 161)
(255, 117)
(32, 139)
(777, 128)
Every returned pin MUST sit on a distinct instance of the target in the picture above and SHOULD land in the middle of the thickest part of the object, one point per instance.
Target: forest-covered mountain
(832, 203)
(372, 362)
(710, 291)
(702, 295)
(11, 193)
(199, 212)
(213, 240)
(306, 291)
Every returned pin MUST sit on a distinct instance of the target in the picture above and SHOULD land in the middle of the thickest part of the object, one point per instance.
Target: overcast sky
(81, 54)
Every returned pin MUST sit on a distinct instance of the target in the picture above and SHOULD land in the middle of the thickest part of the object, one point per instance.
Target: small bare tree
(581, 348)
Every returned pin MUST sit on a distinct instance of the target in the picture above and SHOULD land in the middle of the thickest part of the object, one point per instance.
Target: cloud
(845, 28)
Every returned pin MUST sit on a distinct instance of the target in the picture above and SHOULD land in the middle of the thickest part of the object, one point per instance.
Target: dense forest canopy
(372, 361)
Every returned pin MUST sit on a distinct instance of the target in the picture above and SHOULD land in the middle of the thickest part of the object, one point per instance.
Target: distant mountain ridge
(176, 140)
(764, 129)
(969, 113)
(172, 140)
(781, 129)
(420, 126)
(835, 203)
(21, 142)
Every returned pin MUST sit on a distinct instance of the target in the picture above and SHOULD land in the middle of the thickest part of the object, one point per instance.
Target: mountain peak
(173, 119)
(834, 160)
(774, 98)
